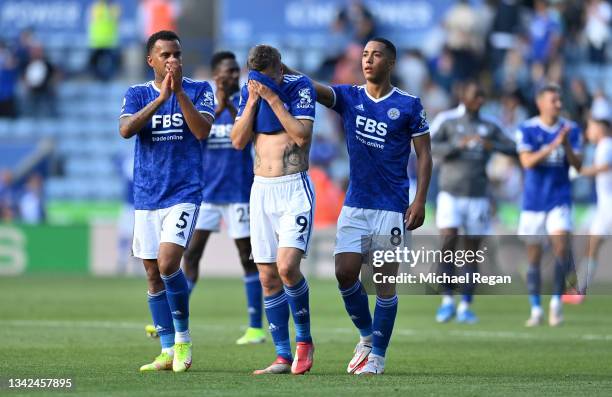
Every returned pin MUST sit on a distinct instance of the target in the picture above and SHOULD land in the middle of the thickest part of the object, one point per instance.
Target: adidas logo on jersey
(300, 238)
(181, 234)
(272, 327)
(360, 107)
(378, 333)
(302, 312)
(177, 313)
(354, 317)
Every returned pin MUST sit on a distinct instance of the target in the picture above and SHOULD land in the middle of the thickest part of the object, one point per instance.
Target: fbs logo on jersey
(167, 121)
(371, 126)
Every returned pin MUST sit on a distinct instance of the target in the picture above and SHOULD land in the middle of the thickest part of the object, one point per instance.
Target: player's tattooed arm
(415, 215)
(242, 131)
(295, 159)
(325, 94)
(130, 125)
(198, 123)
(300, 131)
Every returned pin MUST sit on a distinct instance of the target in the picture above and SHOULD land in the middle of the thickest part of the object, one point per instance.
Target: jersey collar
(551, 129)
(376, 100)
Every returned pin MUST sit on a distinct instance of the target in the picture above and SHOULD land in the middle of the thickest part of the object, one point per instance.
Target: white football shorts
(472, 214)
(357, 225)
(602, 222)
(543, 223)
(235, 216)
(282, 213)
(167, 225)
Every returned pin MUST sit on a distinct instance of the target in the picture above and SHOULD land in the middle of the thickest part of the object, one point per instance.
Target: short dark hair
(548, 87)
(219, 57)
(262, 57)
(166, 35)
(604, 122)
(389, 46)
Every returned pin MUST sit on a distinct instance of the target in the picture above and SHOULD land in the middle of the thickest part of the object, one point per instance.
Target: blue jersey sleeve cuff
(208, 113)
(335, 98)
(421, 133)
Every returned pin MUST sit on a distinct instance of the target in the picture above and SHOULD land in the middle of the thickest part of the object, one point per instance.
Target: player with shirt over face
(380, 121)
(168, 116)
(548, 145)
(227, 179)
(277, 112)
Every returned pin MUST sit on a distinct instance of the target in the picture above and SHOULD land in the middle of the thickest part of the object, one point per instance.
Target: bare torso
(278, 155)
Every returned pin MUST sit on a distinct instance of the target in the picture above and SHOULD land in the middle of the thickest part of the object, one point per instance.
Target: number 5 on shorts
(182, 223)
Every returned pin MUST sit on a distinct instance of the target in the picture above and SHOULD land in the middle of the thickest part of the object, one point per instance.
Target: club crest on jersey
(209, 99)
(393, 113)
(305, 98)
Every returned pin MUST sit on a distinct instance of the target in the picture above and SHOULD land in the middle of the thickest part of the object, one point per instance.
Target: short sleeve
(417, 125)
(523, 141)
(205, 101)
(340, 93)
(303, 100)
(607, 157)
(131, 103)
(244, 96)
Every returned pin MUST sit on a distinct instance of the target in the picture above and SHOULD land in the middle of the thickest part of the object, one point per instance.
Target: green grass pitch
(92, 331)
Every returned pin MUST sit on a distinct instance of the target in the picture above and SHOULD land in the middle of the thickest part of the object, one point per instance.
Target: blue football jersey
(547, 185)
(378, 134)
(167, 156)
(301, 98)
(227, 172)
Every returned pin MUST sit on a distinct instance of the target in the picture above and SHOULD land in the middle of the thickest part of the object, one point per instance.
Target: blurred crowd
(23, 202)
(511, 47)
(29, 78)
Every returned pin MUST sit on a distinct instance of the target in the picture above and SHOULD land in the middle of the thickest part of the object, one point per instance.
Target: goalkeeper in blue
(168, 116)
(380, 122)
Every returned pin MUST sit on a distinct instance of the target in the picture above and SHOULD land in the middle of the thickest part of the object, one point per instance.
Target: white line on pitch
(335, 330)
